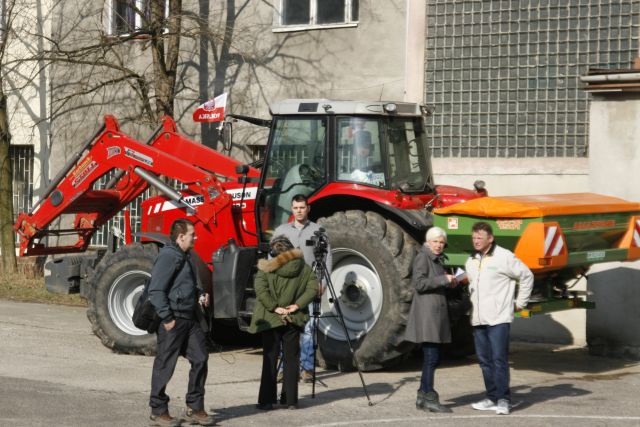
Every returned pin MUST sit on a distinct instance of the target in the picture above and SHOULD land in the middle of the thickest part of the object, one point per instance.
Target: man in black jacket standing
(174, 293)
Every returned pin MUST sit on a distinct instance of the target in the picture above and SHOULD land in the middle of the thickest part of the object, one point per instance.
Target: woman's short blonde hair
(434, 233)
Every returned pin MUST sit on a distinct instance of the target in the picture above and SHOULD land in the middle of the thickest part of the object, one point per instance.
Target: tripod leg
(336, 304)
(314, 337)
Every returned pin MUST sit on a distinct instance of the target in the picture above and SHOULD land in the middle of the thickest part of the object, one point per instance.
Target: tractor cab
(312, 145)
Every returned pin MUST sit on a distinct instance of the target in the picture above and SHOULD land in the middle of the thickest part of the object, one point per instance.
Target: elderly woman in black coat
(428, 322)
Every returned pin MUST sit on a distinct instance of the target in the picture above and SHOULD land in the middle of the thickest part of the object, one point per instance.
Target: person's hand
(517, 308)
(321, 290)
(451, 280)
(292, 308)
(281, 311)
(204, 300)
(169, 325)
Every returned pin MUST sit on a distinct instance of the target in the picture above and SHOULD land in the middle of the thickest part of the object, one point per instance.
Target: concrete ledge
(508, 177)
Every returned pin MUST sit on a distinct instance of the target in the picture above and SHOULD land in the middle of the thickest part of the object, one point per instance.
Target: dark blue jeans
(492, 349)
(431, 352)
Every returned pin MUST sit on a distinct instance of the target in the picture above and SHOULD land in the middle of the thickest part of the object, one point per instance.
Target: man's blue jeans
(492, 349)
(306, 347)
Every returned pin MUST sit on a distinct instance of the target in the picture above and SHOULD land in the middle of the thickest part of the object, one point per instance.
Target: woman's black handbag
(144, 314)
(458, 303)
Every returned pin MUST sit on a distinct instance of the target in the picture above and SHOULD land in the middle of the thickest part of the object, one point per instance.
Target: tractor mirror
(227, 135)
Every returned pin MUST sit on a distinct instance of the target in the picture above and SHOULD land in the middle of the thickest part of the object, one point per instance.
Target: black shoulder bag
(144, 314)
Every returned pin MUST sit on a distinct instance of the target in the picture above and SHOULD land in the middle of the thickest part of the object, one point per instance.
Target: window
(22, 162)
(126, 16)
(309, 14)
(295, 164)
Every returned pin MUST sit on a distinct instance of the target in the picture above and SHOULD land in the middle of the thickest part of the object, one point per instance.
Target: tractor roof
(328, 106)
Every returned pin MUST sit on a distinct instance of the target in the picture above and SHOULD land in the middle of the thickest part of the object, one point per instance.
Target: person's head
(300, 208)
(436, 240)
(358, 123)
(363, 143)
(183, 234)
(279, 244)
(482, 236)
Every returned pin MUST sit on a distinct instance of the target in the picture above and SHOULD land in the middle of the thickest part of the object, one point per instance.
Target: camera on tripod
(320, 243)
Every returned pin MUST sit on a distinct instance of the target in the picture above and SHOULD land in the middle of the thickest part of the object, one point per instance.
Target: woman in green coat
(284, 287)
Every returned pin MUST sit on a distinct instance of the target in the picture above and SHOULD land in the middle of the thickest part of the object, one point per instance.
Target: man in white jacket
(493, 273)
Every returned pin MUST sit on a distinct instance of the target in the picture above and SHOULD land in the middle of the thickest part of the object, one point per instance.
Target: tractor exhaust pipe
(168, 191)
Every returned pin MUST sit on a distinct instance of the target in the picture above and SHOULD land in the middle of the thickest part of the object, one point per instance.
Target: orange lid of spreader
(541, 205)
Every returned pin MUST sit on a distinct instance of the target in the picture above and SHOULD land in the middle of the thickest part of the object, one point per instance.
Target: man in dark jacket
(174, 293)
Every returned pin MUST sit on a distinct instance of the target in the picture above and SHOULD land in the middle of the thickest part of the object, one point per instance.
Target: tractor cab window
(409, 162)
(359, 157)
(295, 164)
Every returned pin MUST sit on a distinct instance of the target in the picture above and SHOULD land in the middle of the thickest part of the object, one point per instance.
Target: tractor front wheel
(115, 288)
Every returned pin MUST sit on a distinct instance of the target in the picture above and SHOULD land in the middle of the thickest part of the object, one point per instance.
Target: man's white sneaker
(503, 407)
(484, 405)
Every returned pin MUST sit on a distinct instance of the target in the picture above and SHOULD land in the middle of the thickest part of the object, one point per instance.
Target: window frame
(110, 17)
(349, 22)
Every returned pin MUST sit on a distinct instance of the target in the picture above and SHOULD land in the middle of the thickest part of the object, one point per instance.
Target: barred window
(504, 75)
(22, 163)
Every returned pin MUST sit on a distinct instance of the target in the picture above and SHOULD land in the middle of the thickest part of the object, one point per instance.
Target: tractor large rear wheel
(371, 276)
(114, 290)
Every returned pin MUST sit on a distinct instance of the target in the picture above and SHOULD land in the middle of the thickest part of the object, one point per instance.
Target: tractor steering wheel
(309, 173)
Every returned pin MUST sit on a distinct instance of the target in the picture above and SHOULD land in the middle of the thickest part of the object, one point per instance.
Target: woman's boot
(430, 402)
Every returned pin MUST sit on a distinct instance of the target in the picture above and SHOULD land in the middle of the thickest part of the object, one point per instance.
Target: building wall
(380, 57)
(612, 326)
(26, 86)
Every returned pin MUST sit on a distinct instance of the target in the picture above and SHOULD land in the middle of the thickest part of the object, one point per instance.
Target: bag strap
(183, 260)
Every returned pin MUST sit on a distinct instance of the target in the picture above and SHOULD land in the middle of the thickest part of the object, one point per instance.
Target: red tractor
(364, 165)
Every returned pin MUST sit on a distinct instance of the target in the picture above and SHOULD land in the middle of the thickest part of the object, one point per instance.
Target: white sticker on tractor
(249, 193)
(236, 194)
(136, 155)
(452, 223)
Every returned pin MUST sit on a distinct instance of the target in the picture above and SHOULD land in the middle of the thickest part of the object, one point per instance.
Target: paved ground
(53, 371)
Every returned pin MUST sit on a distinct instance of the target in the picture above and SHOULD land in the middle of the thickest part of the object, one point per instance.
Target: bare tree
(7, 236)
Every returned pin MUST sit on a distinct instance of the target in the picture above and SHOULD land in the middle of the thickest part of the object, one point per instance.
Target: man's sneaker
(306, 376)
(484, 405)
(164, 420)
(503, 407)
(198, 417)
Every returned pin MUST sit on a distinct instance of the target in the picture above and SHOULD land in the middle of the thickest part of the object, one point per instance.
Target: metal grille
(22, 163)
(504, 75)
(116, 224)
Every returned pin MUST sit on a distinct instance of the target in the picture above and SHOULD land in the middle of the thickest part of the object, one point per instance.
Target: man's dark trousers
(290, 337)
(492, 349)
(186, 339)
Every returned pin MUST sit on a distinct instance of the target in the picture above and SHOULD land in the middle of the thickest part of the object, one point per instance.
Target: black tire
(115, 287)
(361, 240)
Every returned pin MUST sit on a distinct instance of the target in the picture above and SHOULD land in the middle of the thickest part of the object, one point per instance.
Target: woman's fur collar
(271, 265)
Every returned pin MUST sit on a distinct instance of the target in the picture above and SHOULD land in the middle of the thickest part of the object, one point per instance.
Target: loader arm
(137, 166)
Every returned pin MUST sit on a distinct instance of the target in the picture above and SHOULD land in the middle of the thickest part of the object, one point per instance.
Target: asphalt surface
(54, 372)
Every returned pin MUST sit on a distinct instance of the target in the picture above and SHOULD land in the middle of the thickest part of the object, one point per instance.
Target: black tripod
(320, 268)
